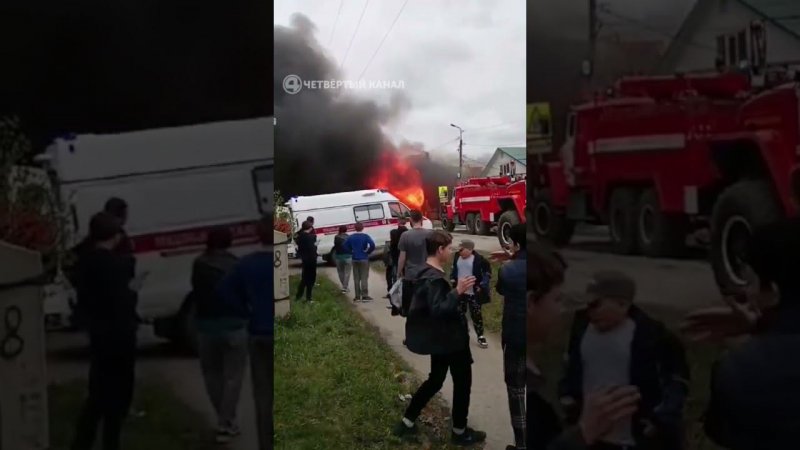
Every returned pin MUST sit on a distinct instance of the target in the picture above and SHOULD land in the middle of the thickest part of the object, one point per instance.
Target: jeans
(111, 380)
(261, 366)
(223, 357)
(343, 267)
(514, 370)
(460, 366)
(390, 278)
(475, 312)
(361, 278)
(307, 280)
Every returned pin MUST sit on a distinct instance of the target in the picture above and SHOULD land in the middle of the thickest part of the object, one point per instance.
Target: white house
(506, 161)
(716, 33)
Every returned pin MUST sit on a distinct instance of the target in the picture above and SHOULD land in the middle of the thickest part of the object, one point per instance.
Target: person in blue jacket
(361, 246)
(249, 288)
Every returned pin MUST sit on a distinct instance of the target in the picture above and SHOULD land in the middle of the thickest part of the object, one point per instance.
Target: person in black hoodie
(103, 284)
(436, 326)
(343, 258)
(307, 249)
(511, 284)
(222, 339)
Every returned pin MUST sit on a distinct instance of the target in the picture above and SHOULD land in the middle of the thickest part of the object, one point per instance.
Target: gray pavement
(489, 401)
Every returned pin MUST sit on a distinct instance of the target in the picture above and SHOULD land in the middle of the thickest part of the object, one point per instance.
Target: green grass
(337, 383)
(492, 312)
(166, 422)
(700, 358)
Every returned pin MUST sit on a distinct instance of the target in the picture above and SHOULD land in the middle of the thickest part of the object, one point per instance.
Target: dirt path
(68, 360)
(489, 401)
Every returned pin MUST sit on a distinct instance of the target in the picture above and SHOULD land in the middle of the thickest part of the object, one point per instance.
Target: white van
(377, 209)
(179, 183)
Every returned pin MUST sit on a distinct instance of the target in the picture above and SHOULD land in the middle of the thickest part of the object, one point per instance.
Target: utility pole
(593, 29)
(460, 150)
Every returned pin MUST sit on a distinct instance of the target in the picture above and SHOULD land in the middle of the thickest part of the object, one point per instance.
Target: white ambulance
(377, 209)
(179, 183)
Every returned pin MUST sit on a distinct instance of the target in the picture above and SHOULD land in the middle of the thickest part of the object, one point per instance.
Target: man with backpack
(437, 327)
(411, 259)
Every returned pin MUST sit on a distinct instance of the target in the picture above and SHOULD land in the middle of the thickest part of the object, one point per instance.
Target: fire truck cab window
(368, 212)
(263, 180)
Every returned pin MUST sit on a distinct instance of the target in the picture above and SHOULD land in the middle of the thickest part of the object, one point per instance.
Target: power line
(384, 39)
(645, 26)
(495, 145)
(489, 127)
(339, 13)
(353, 37)
(443, 144)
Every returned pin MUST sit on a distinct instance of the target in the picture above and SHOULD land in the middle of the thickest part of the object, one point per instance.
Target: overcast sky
(462, 62)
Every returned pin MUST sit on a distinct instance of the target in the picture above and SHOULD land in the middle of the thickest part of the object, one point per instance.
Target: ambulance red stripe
(190, 239)
(352, 226)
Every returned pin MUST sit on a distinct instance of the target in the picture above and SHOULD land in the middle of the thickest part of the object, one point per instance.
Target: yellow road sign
(443, 193)
(539, 120)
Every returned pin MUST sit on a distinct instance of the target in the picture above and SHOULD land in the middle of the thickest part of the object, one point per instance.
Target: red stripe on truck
(190, 239)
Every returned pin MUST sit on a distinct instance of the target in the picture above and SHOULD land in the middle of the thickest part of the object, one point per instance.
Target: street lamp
(460, 148)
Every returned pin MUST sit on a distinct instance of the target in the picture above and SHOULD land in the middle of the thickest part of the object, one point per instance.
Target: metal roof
(784, 13)
(518, 153)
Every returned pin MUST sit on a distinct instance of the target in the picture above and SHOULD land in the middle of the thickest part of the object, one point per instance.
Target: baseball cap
(611, 284)
(466, 243)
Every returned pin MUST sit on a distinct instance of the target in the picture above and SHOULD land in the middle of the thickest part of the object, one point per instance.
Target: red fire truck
(485, 203)
(663, 157)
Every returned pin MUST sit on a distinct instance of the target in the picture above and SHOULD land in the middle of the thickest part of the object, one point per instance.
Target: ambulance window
(368, 212)
(396, 209)
(263, 181)
(406, 211)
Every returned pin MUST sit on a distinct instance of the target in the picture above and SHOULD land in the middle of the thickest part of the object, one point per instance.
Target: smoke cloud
(326, 140)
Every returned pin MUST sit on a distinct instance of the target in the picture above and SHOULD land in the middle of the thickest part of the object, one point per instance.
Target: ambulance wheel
(739, 210)
(448, 225)
(471, 223)
(507, 220)
(622, 221)
(660, 234)
(482, 227)
(549, 224)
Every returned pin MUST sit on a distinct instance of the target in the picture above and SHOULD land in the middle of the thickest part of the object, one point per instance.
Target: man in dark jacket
(109, 304)
(468, 262)
(754, 386)
(436, 326)
(512, 285)
(614, 343)
(343, 258)
(394, 241)
(222, 338)
(307, 250)
(249, 288)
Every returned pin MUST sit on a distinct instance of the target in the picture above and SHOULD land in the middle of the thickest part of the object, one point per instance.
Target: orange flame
(400, 178)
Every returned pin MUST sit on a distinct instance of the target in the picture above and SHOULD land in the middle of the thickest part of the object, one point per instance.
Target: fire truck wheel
(448, 225)
(507, 220)
(471, 223)
(741, 208)
(482, 227)
(659, 234)
(622, 221)
(549, 224)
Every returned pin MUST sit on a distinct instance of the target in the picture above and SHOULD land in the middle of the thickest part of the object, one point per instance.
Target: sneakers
(343, 291)
(356, 299)
(468, 437)
(401, 430)
(482, 342)
(367, 298)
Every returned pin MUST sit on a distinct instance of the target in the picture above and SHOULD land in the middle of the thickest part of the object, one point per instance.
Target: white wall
(730, 16)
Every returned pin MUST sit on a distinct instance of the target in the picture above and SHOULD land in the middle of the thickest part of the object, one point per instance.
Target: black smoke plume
(326, 140)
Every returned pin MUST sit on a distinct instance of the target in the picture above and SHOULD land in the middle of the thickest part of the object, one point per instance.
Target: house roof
(518, 153)
(784, 14)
